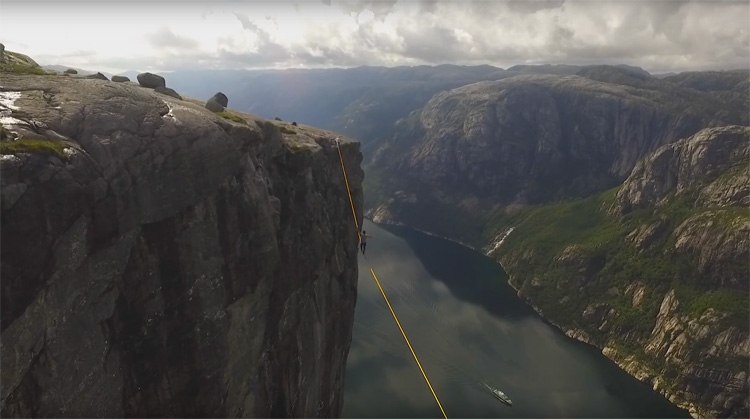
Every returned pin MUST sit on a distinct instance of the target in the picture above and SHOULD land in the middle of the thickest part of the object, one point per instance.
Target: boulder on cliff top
(70, 71)
(214, 106)
(151, 80)
(120, 79)
(169, 92)
(221, 99)
(96, 76)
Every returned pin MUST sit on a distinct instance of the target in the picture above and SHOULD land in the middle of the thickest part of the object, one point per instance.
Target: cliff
(529, 139)
(161, 260)
(654, 272)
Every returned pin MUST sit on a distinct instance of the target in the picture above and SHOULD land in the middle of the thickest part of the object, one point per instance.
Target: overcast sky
(114, 36)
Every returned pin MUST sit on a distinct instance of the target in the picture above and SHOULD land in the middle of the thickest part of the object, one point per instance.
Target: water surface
(469, 327)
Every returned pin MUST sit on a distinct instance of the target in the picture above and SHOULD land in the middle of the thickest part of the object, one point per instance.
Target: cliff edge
(159, 259)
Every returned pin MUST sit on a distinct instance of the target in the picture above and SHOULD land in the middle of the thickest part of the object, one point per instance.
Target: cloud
(527, 6)
(380, 8)
(164, 38)
(657, 35)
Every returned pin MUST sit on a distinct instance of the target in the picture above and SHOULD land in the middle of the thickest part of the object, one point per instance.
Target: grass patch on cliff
(732, 174)
(34, 146)
(13, 62)
(600, 262)
(232, 117)
(730, 217)
(549, 229)
(21, 68)
(695, 300)
(571, 254)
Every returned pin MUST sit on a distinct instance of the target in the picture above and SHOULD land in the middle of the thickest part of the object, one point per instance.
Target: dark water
(468, 327)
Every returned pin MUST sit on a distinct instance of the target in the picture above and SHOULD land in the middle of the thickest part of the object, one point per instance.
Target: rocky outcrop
(714, 385)
(708, 170)
(217, 102)
(693, 164)
(151, 80)
(71, 71)
(96, 76)
(15, 62)
(214, 106)
(120, 79)
(220, 98)
(167, 91)
(161, 261)
(719, 243)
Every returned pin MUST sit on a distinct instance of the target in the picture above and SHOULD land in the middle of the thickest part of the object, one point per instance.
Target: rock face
(14, 62)
(167, 91)
(214, 106)
(167, 262)
(532, 139)
(151, 80)
(657, 274)
(708, 170)
(120, 79)
(217, 102)
(97, 76)
(221, 99)
(707, 388)
(695, 162)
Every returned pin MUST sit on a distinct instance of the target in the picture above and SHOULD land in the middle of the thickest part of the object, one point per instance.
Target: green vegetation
(35, 146)
(730, 362)
(230, 116)
(20, 68)
(16, 63)
(578, 254)
(698, 300)
(550, 228)
(728, 217)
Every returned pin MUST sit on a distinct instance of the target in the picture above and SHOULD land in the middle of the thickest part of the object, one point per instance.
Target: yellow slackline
(406, 339)
(348, 191)
(382, 291)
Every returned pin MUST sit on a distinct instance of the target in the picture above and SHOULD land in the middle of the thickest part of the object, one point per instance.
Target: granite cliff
(654, 272)
(162, 260)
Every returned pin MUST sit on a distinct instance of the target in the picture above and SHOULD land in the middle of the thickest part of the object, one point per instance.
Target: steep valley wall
(160, 260)
(617, 202)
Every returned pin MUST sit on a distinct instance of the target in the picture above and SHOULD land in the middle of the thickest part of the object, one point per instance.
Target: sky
(163, 35)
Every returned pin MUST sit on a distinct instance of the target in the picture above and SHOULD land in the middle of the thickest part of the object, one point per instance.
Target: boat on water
(499, 395)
